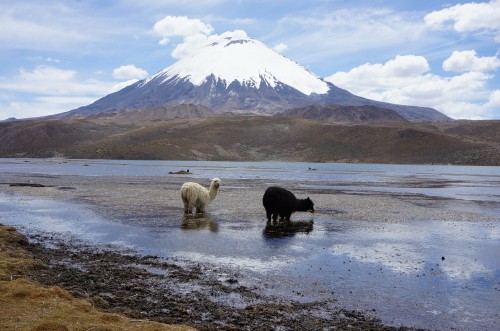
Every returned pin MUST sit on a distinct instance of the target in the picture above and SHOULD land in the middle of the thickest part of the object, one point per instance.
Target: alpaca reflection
(287, 228)
(199, 222)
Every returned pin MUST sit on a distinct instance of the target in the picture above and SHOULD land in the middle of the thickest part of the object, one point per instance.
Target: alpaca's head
(309, 205)
(215, 183)
(214, 188)
(305, 205)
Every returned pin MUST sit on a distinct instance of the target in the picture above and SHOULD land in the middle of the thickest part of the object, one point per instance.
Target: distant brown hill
(346, 114)
(255, 138)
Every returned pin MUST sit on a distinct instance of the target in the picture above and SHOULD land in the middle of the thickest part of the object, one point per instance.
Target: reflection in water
(287, 229)
(199, 222)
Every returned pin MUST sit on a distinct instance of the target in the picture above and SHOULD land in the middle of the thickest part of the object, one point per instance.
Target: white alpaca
(195, 195)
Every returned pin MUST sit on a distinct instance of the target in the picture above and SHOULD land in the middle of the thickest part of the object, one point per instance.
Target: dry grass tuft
(28, 306)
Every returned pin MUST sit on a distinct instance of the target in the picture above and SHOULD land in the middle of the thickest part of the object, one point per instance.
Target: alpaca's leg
(187, 210)
(200, 207)
(275, 218)
(191, 205)
(268, 214)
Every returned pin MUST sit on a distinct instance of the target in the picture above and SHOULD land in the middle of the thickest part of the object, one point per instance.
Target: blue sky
(58, 55)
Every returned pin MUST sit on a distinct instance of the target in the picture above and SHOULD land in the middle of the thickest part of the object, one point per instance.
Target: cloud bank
(469, 61)
(469, 17)
(50, 90)
(407, 80)
(193, 33)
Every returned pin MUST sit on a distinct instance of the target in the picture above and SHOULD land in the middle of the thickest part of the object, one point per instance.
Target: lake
(430, 273)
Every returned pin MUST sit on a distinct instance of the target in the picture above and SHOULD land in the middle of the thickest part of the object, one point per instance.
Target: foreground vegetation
(29, 306)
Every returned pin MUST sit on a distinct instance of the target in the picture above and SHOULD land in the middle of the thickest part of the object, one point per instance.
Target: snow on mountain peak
(234, 56)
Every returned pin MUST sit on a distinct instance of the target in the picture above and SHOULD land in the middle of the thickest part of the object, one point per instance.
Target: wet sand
(119, 281)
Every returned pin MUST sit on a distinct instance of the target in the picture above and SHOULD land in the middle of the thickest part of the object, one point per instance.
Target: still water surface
(431, 274)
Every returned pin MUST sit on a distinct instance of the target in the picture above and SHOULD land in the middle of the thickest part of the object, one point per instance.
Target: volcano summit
(235, 73)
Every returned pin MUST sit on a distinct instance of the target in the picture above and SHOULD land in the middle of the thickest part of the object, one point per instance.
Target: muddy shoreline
(201, 295)
(147, 287)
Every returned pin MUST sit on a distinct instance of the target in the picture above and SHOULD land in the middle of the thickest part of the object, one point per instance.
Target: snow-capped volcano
(247, 61)
(233, 72)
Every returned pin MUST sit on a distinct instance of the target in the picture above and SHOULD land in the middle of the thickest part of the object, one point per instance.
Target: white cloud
(193, 43)
(58, 26)
(44, 73)
(494, 100)
(129, 71)
(407, 80)
(48, 90)
(280, 48)
(189, 45)
(407, 65)
(50, 80)
(462, 61)
(194, 33)
(232, 34)
(19, 32)
(180, 26)
(49, 59)
(373, 78)
(336, 36)
(468, 17)
(43, 106)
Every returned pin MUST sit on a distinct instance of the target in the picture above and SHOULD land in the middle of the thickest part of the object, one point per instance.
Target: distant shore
(256, 138)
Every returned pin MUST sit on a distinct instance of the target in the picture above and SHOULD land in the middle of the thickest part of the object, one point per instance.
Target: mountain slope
(346, 114)
(233, 73)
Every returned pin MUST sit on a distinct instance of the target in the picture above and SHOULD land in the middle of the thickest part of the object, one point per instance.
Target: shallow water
(457, 182)
(432, 274)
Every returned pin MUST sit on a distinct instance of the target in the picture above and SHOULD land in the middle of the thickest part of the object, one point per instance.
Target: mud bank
(82, 278)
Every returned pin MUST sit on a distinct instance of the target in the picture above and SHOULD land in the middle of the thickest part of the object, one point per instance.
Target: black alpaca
(279, 201)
